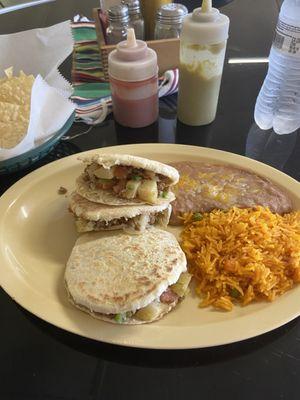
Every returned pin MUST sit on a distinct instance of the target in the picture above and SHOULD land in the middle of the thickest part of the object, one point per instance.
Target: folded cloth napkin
(91, 91)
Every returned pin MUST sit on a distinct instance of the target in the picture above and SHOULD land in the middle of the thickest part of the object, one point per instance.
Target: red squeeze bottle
(133, 80)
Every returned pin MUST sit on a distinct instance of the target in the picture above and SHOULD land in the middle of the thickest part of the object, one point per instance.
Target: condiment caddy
(167, 50)
(199, 52)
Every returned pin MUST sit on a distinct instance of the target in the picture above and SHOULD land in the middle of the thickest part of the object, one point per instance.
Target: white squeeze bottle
(202, 49)
(278, 102)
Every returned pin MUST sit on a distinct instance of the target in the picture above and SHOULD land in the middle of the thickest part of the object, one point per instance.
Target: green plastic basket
(25, 160)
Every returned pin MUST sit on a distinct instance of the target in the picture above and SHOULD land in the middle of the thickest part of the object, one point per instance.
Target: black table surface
(40, 361)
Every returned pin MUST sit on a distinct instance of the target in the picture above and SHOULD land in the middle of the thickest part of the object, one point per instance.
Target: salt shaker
(202, 50)
(169, 19)
(136, 19)
(133, 70)
(118, 20)
(149, 9)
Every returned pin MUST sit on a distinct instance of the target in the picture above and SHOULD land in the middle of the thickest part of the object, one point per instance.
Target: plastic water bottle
(278, 103)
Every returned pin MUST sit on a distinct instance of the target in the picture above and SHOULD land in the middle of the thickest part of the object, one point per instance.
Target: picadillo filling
(149, 313)
(170, 296)
(138, 223)
(128, 182)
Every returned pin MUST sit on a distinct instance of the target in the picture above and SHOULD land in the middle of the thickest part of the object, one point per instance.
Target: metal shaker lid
(171, 13)
(118, 12)
(133, 6)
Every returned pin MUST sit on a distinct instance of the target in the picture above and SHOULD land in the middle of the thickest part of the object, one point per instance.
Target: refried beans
(204, 187)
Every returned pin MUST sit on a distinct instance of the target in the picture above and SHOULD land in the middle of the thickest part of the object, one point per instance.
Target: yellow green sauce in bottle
(202, 52)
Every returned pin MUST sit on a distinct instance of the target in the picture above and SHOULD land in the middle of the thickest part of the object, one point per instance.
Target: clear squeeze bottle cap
(132, 60)
(205, 25)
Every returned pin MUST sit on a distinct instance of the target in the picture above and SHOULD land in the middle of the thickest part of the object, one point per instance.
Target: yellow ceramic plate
(37, 234)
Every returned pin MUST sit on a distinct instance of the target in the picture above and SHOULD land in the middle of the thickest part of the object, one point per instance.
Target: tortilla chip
(15, 99)
(11, 134)
(17, 90)
(9, 72)
(9, 112)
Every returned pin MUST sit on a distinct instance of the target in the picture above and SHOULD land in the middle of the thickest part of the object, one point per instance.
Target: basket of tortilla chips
(35, 105)
(15, 106)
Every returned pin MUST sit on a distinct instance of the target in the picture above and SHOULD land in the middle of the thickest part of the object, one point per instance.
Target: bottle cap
(132, 60)
(205, 26)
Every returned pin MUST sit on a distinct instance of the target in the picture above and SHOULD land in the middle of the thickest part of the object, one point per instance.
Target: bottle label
(287, 38)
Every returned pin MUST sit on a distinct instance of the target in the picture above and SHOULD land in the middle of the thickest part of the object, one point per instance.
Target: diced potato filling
(154, 309)
(147, 191)
(181, 286)
(131, 189)
(104, 173)
(148, 313)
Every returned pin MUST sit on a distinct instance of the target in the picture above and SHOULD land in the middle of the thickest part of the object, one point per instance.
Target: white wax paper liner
(39, 52)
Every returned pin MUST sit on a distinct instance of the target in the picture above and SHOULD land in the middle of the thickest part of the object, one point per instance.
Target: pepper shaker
(118, 20)
(149, 9)
(136, 19)
(169, 21)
